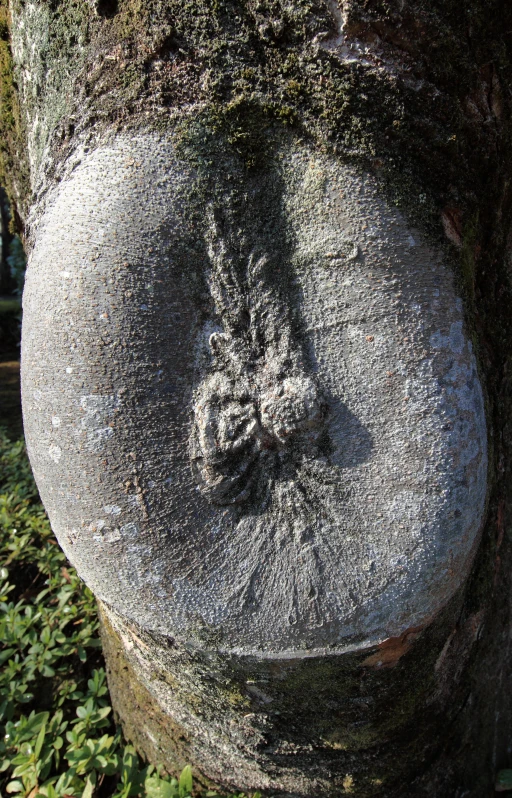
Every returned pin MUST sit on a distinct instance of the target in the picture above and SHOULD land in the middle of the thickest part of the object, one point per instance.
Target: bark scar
(259, 402)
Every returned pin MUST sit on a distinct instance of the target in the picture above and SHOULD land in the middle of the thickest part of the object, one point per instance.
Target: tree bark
(265, 379)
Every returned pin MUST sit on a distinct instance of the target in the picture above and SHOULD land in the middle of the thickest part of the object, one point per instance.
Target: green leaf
(504, 781)
(47, 671)
(155, 787)
(40, 741)
(185, 782)
(46, 635)
(5, 654)
(89, 786)
(14, 786)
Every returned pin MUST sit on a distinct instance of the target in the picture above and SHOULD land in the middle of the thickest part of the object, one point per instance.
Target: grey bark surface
(276, 489)
(268, 280)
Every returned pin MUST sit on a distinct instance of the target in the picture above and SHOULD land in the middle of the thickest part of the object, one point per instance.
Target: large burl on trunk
(265, 387)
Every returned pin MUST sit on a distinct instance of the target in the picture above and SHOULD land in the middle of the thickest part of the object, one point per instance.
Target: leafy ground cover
(57, 736)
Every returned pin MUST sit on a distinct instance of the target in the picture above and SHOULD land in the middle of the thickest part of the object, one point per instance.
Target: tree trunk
(265, 350)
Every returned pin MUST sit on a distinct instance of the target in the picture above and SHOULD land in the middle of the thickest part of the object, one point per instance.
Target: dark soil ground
(10, 404)
(10, 401)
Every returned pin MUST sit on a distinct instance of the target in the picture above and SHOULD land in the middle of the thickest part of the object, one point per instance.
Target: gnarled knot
(258, 408)
(241, 420)
(290, 406)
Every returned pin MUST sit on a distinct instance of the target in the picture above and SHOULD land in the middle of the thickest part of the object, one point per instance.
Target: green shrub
(17, 263)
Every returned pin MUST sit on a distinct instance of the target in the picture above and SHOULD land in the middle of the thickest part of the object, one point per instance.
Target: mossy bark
(365, 723)
(418, 93)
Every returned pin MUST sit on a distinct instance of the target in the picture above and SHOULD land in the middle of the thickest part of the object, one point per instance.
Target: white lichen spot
(55, 453)
(457, 339)
(112, 509)
(97, 529)
(69, 370)
(55, 421)
(98, 410)
(454, 340)
(97, 526)
(112, 535)
(345, 251)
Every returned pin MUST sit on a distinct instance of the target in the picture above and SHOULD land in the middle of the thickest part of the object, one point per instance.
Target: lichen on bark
(247, 64)
(298, 726)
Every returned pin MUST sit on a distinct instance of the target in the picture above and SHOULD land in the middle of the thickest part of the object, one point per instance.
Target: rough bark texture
(361, 723)
(418, 95)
